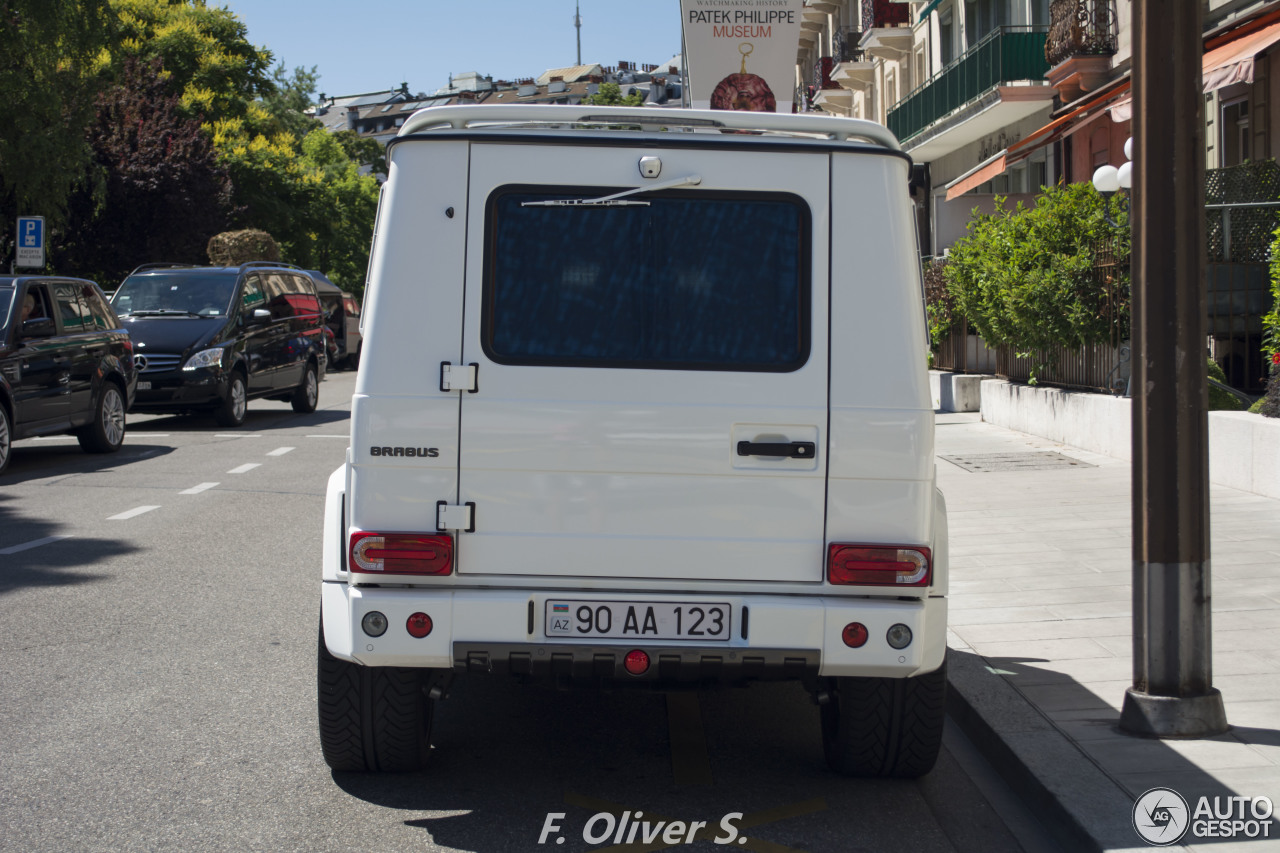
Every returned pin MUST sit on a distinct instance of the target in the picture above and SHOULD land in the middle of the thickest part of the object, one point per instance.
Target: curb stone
(1072, 796)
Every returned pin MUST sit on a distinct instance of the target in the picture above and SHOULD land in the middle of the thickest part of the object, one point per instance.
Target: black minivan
(208, 339)
(66, 365)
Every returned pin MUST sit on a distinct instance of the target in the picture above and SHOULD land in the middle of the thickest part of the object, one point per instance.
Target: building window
(946, 37)
(1235, 132)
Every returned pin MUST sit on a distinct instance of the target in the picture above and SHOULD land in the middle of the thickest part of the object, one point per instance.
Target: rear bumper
(491, 630)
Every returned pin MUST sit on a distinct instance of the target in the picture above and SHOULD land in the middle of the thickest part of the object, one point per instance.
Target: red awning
(980, 174)
(1233, 61)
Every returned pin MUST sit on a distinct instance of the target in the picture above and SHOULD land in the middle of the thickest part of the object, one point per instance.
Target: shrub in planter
(1028, 278)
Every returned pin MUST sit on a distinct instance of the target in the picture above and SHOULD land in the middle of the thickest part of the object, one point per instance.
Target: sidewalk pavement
(1041, 643)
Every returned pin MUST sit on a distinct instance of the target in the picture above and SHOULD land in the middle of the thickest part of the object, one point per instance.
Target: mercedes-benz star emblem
(140, 363)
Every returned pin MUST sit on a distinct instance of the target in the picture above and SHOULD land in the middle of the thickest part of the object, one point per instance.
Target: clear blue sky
(369, 45)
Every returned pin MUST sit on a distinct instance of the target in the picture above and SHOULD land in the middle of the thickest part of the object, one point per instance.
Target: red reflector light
(636, 662)
(854, 635)
(879, 565)
(418, 625)
(401, 553)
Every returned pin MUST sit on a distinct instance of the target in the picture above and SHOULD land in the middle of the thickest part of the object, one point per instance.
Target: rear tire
(105, 433)
(884, 726)
(373, 718)
(307, 397)
(233, 408)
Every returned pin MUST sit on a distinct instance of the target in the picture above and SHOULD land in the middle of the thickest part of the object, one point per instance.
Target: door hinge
(459, 377)
(455, 517)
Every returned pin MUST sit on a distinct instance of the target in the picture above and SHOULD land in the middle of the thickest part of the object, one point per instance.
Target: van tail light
(879, 565)
(401, 554)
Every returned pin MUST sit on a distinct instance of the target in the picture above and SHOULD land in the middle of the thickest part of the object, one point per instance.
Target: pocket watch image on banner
(743, 91)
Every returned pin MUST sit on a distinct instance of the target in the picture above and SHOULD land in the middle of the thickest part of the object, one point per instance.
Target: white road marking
(248, 466)
(34, 543)
(136, 434)
(234, 435)
(329, 436)
(55, 438)
(130, 513)
(195, 490)
(280, 451)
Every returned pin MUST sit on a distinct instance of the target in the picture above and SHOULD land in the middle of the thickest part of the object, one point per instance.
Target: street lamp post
(1172, 693)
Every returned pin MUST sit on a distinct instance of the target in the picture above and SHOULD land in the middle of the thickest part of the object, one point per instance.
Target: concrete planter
(1244, 449)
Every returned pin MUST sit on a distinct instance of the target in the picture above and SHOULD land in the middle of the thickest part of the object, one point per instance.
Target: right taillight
(878, 565)
(401, 554)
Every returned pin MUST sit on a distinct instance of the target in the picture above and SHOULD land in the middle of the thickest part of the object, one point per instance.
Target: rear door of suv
(652, 377)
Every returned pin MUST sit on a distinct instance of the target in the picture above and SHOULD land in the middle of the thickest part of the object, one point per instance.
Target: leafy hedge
(1028, 278)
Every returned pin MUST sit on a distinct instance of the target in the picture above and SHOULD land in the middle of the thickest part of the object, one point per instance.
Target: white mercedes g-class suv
(643, 401)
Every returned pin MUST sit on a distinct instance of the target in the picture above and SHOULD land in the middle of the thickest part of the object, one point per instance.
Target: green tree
(154, 190)
(214, 69)
(47, 59)
(610, 95)
(289, 101)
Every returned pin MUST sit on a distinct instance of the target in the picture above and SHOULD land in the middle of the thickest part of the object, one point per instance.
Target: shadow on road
(43, 460)
(506, 756)
(60, 563)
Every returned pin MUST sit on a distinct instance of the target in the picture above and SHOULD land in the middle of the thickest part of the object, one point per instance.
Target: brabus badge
(417, 452)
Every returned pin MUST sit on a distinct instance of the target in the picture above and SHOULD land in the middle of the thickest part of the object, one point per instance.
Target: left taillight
(879, 565)
(401, 554)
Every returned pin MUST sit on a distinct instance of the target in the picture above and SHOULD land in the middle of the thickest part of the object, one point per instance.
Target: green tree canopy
(155, 190)
(214, 69)
(48, 50)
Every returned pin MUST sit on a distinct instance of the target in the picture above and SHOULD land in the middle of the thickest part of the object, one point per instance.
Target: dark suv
(66, 364)
(210, 338)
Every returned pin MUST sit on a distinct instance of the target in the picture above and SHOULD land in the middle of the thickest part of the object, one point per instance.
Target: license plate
(639, 620)
(144, 386)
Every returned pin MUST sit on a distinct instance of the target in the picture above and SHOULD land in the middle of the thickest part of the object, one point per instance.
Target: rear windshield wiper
(617, 199)
(162, 312)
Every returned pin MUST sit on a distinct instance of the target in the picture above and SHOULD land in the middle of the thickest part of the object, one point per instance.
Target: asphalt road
(158, 613)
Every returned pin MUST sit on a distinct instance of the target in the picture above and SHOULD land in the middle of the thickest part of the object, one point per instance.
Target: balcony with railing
(1007, 56)
(884, 13)
(1081, 28)
(1083, 36)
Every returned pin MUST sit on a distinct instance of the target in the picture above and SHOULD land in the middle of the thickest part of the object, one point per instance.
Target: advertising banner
(741, 54)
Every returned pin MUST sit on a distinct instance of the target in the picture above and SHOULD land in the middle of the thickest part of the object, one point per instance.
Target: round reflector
(418, 625)
(899, 636)
(374, 624)
(854, 635)
(636, 662)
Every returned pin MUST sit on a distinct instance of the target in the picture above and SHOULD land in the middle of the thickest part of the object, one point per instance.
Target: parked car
(681, 432)
(209, 339)
(342, 316)
(66, 364)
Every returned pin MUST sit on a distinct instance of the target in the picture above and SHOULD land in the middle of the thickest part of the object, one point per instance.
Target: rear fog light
(418, 625)
(854, 635)
(636, 662)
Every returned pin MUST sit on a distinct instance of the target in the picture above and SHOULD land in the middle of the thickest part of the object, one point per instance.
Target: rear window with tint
(701, 281)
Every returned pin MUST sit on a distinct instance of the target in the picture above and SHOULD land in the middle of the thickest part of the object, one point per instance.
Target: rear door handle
(787, 450)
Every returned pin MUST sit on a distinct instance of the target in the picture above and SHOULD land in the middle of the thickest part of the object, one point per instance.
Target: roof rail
(162, 265)
(281, 264)
(589, 117)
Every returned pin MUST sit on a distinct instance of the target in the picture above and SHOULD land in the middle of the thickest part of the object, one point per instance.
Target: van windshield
(690, 281)
(179, 294)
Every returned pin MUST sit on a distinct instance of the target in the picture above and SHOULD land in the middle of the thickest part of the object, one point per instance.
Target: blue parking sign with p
(30, 248)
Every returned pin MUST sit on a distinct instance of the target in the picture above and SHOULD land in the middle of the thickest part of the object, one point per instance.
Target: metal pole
(1172, 693)
(577, 23)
